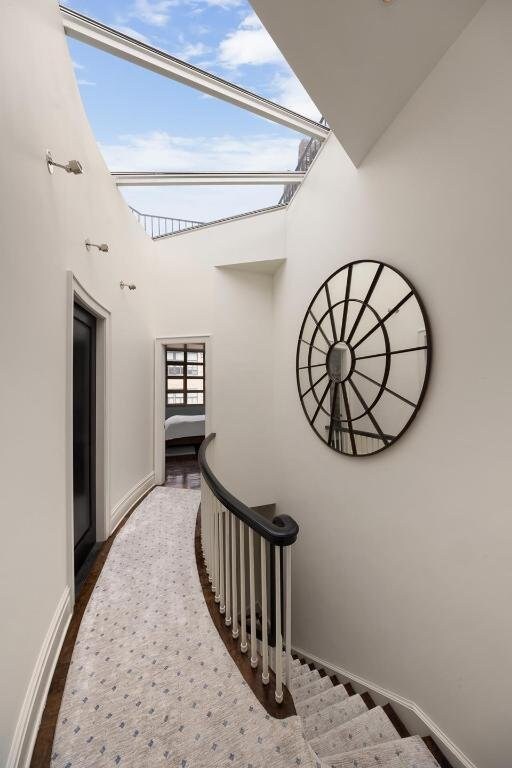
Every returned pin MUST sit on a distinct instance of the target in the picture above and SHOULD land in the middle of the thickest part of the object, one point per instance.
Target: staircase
(343, 729)
(348, 730)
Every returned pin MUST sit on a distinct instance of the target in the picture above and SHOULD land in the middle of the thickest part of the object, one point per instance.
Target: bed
(184, 430)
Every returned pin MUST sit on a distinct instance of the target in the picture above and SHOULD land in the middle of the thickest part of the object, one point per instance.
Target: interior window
(185, 375)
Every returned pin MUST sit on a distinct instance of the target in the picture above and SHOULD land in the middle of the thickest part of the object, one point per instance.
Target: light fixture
(100, 246)
(130, 286)
(72, 166)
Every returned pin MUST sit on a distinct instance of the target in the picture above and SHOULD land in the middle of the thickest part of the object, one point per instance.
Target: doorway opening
(185, 412)
(87, 431)
(84, 441)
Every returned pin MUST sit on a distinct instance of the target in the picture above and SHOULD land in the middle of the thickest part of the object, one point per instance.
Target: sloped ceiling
(361, 60)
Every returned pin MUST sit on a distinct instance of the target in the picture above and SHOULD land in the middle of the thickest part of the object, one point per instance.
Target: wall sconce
(72, 166)
(103, 247)
(130, 286)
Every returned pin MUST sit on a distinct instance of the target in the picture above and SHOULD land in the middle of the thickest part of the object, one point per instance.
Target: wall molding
(413, 716)
(35, 697)
(130, 499)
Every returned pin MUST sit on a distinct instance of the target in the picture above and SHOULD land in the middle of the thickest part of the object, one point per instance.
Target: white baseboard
(411, 714)
(35, 698)
(130, 499)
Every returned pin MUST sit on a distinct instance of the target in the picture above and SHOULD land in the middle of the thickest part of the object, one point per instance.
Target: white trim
(130, 499)
(171, 178)
(77, 292)
(29, 719)
(412, 715)
(105, 38)
(159, 389)
(236, 217)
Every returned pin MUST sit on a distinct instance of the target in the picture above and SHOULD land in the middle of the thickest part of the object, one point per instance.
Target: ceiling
(361, 60)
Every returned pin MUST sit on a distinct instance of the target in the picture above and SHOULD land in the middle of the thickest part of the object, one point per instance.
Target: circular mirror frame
(365, 302)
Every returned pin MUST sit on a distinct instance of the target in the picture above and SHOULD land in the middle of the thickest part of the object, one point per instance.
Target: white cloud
(225, 4)
(193, 50)
(249, 44)
(76, 65)
(155, 13)
(289, 91)
(133, 33)
(160, 151)
(82, 81)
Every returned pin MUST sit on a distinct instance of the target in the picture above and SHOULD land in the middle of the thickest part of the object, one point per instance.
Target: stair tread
(371, 727)
(401, 753)
(300, 671)
(333, 715)
(320, 701)
(301, 680)
(316, 686)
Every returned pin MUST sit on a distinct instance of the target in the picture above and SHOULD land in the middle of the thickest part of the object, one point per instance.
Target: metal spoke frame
(339, 410)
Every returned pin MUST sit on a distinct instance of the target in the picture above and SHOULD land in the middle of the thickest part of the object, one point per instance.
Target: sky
(143, 121)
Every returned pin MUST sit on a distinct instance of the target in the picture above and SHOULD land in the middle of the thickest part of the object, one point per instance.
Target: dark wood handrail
(282, 531)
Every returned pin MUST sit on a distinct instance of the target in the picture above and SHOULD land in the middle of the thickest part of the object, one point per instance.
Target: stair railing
(231, 534)
(158, 226)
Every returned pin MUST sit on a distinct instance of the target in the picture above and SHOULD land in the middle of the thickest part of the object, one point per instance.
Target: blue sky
(146, 122)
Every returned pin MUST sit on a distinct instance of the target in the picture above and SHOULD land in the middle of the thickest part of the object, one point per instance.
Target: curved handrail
(282, 531)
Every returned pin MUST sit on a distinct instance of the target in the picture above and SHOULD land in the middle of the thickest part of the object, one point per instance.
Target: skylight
(145, 122)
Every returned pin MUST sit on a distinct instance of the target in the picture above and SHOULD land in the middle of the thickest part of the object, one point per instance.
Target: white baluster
(252, 601)
(288, 607)
(210, 535)
(217, 550)
(279, 639)
(234, 630)
(222, 574)
(243, 610)
(227, 619)
(264, 614)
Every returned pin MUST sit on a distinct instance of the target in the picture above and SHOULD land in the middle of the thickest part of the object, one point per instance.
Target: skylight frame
(99, 35)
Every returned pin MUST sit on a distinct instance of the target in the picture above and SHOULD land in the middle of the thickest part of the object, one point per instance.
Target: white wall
(44, 221)
(207, 281)
(403, 571)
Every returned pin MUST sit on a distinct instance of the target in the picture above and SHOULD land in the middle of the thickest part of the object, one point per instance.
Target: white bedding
(184, 426)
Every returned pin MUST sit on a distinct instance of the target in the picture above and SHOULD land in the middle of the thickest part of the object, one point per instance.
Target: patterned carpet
(150, 681)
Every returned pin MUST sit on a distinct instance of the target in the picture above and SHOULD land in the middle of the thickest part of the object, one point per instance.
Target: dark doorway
(84, 434)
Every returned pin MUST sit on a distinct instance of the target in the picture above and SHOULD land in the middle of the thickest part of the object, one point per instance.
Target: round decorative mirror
(363, 358)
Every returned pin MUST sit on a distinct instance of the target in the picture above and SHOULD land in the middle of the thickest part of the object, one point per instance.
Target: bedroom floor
(182, 472)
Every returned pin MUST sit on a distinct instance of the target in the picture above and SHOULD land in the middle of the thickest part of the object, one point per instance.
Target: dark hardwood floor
(182, 472)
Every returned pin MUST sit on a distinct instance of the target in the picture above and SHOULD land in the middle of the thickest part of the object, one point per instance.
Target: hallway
(150, 682)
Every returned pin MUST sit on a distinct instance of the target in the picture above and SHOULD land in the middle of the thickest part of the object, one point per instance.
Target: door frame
(161, 342)
(76, 293)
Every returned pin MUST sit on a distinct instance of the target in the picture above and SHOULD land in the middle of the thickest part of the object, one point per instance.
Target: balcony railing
(155, 226)
(229, 530)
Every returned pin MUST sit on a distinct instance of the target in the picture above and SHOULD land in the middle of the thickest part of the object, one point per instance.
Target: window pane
(194, 370)
(195, 357)
(195, 385)
(173, 355)
(175, 370)
(174, 383)
(175, 398)
(195, 398)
